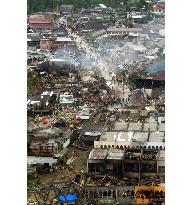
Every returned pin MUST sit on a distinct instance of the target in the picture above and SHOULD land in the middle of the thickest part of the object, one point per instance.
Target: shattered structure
(96, 106)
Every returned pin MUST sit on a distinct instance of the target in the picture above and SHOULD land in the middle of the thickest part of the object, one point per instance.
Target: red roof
(161, 5)
(39, 20)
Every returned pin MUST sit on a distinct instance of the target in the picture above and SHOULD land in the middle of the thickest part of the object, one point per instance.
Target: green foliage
(123, 72)
(141, 4)
(32, 81)
(127, 24)
(145, 20)
(88, 37)
(69, 19)
(133, 77)
(147, 5)
(104, 110)
(53, 99)
(41, 5)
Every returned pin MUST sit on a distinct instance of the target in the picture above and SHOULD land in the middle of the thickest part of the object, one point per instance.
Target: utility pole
(57, 11)
(123, 86)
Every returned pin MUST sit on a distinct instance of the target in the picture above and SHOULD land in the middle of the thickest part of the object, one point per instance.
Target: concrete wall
(45, 44)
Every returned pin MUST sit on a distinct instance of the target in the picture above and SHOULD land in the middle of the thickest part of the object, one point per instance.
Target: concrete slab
(133, 126)
(120, 126)
(161, 127)
(152, 126)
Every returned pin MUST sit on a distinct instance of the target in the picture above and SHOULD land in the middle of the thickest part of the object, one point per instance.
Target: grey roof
(115, 154)
(63, 39)
(122, 29)
(98, 154)
(144, 113)
(114, 136)
(95, 25)
(150, 126)
(160, 43)
(39, 98)
(100, 32)
(120, 126)
(157, 136)
(135, 126)
(154, 35)
(40, 160)
(104, 153)
(140, 136)
(93, 128)
(34, 36)
(161, 127)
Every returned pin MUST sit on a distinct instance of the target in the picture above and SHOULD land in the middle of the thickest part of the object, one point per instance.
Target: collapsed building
(136, 150)
(129, 142)
(131, 163)
(48, 142)
(125, 194)
(90, 132)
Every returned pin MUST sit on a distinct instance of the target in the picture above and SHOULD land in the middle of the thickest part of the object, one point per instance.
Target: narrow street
(106, 68)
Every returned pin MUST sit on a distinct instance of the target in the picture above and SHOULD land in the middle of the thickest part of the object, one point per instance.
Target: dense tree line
(42, 5)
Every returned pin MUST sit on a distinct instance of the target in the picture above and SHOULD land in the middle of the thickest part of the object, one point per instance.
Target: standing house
(122, 31)
(53, 43)
(33, 39)
(65, 9)
(137, 136)
(40, 23)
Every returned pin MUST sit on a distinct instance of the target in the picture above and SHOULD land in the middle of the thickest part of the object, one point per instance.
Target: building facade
(132, 163)
(40, 23)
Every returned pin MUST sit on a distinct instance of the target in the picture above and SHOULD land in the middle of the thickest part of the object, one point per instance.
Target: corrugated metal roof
(98, 154)
(112, 29)
(39, 20)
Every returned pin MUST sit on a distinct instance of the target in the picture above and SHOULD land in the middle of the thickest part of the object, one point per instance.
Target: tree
(88, 37)
(127, 23)
(33, 83)
(133, 78)
(112, 19)
(141, 4)
(53, 99)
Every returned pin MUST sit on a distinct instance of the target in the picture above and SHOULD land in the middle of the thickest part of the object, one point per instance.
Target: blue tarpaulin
(157, 67)
(68, 198)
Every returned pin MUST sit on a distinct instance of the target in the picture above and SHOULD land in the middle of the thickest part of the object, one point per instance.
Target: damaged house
(90, 132)
(48, 142)
(137, 99)
(126, 163)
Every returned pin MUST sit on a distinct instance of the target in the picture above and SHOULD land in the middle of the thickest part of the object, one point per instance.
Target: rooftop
(120, 126)
(63, 39)
(40, 160)
(39, 20)
(157, 136)
(118, 154)
(133, 136)
(133, 126)
(152, 126)
(115, 136)
(88, 128)
(122, 29)
(98, 154)
(161, 127)
(115, 154)
(106, 154)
